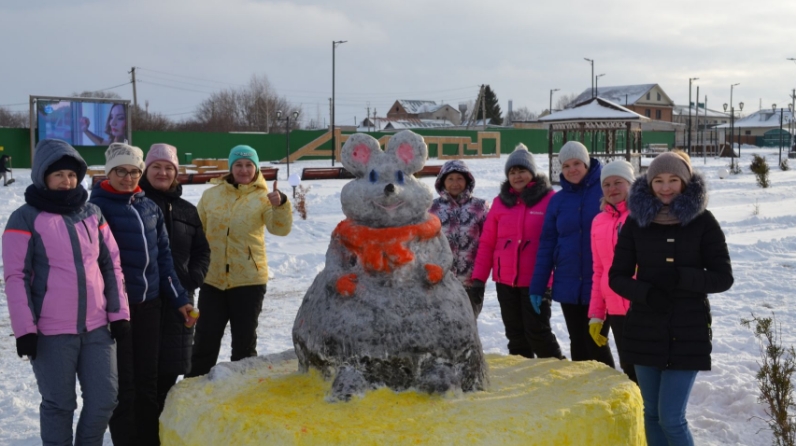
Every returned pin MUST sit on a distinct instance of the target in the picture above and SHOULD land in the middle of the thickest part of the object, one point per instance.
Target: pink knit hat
(163, 152)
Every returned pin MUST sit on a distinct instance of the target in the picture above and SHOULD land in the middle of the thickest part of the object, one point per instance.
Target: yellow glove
(595, 327)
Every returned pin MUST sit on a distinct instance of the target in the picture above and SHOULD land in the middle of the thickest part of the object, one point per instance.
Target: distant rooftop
(413, 106)
(620, 94)
(766, 118)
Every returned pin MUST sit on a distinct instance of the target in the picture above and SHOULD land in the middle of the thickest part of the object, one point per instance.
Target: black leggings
(240, 307)
(582, 346)
(528, 333)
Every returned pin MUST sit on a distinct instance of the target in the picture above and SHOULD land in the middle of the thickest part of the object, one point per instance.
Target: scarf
(664, 217)
(56, 201)
(384, 249)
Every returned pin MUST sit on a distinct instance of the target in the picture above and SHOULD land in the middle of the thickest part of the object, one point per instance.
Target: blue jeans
(665, 394)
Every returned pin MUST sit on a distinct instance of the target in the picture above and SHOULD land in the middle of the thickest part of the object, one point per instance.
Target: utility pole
(691, 79)
(483, 105)
(697, 118)
(135, 96)
(367, 116)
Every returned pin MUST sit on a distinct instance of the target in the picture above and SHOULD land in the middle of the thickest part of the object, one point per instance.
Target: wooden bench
(429, 171)
(322, 173)
(269, 174)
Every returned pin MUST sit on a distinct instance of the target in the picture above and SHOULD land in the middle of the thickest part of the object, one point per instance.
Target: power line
(14, 105)
(176, 88)
(177, 81)
(190, 77)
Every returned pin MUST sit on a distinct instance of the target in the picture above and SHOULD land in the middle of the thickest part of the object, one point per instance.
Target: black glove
(666, 279)
(26, 345)
(659, 299)
(478, 284)
(120, 328)
(476, 294)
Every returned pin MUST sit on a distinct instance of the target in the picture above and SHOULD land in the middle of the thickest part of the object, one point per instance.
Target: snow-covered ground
(760, 225)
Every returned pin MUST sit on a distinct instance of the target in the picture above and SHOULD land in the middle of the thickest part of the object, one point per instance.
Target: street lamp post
(287, 135)
(690, 80)
(334, 143)
(596, 87)
(551, 99)
(591, 61)
(781, 112)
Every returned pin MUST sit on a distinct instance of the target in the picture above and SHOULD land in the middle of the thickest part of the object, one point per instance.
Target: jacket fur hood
(459, 167)
(687, 206)
(539, 188)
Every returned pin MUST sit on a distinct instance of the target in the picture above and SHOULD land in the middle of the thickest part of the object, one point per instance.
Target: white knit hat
(118, 154)
(573, 150)
(618, 168)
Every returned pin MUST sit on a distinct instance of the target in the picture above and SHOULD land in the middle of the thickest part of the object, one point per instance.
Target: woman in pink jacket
(508, 247)
(615, 179)
(64, 287)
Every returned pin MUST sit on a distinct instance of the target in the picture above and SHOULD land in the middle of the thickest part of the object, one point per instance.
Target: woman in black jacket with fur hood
(191, 254)
(670, 255)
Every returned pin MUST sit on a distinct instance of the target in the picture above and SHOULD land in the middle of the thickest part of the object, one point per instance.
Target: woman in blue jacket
(565, 250)
(138, 225)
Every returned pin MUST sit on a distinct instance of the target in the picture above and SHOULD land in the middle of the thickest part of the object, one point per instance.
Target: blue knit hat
(245, 152)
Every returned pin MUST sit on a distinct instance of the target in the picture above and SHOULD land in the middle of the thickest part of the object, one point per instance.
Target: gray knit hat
(618, 168)
(521, 157)
(573, 149)
(670, 162)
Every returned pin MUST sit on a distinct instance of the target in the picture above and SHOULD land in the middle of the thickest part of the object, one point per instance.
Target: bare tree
(152, 121)
(250, 108)
(523, 114)
(13, 119)
(97, 94)
(565, 101)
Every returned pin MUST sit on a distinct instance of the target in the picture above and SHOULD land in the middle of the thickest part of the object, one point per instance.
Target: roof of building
(766, 118)
(682, 110)
(619, 94)
(593, 110)
(401, 124)
(414, 106)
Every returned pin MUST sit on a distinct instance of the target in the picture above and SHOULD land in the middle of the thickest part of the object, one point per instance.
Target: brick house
(646, 99)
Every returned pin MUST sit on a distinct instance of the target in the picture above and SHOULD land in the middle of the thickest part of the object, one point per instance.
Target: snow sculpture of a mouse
(386, 310)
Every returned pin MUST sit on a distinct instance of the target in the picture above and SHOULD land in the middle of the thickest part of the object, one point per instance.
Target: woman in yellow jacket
(233, 214)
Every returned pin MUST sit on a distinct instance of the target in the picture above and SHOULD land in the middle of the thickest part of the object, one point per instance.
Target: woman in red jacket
(615, 179)
(508, 247)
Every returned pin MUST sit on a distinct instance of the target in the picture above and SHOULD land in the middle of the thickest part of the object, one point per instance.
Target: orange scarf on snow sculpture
(383, 249)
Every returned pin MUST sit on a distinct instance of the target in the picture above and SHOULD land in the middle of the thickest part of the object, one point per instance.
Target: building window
(648, 95)
(659, 96)
(747, 132)
(657, 114)
(647, 112)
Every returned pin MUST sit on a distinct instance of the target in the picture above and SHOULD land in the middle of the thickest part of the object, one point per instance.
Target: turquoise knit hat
(245, 152)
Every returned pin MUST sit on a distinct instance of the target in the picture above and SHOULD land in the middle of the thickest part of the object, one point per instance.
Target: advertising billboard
(82, 123)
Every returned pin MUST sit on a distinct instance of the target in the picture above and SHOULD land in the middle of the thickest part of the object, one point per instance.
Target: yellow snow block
(529, 402)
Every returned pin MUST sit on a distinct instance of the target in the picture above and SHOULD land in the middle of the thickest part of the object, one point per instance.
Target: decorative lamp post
(596, 78)
(287, 134)
(732, 134)
(294, 180)
(551, 99)
(740, 109)
(591, 61)
(690, 80)
(334, 143)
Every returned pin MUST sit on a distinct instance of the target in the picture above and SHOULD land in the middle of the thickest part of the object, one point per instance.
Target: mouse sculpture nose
(389, 189)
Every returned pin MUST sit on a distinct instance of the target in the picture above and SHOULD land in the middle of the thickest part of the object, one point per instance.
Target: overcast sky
(412, 49)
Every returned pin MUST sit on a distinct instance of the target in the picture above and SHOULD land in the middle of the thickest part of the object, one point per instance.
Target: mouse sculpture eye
(374, 176)
(399, 177)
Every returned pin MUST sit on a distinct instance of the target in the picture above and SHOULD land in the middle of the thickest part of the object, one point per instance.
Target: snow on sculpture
(386, 310)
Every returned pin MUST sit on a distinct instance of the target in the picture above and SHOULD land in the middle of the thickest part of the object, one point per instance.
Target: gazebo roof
(594, 109)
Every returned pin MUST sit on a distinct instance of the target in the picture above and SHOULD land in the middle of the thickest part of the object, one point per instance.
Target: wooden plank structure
(593, 116)
(313, 147)
(340, 173)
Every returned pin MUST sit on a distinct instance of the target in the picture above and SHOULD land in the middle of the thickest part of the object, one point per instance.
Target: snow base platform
(265, 400)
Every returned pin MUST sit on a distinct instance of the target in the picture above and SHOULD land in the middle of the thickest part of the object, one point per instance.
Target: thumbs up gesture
(275, 197)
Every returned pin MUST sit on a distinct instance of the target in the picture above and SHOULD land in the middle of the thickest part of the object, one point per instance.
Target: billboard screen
(82, 123)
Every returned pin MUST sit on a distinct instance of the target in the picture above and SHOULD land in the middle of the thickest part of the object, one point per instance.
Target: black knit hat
(65, 162)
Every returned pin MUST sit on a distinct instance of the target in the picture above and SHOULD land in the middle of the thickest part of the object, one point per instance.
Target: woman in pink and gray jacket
(508, 249)
(615, 180)
(64, 286)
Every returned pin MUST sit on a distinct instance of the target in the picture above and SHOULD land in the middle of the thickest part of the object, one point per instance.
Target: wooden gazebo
(596, 116)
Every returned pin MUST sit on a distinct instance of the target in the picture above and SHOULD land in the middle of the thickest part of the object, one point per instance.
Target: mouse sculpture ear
(409, 150)
(358, 152)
